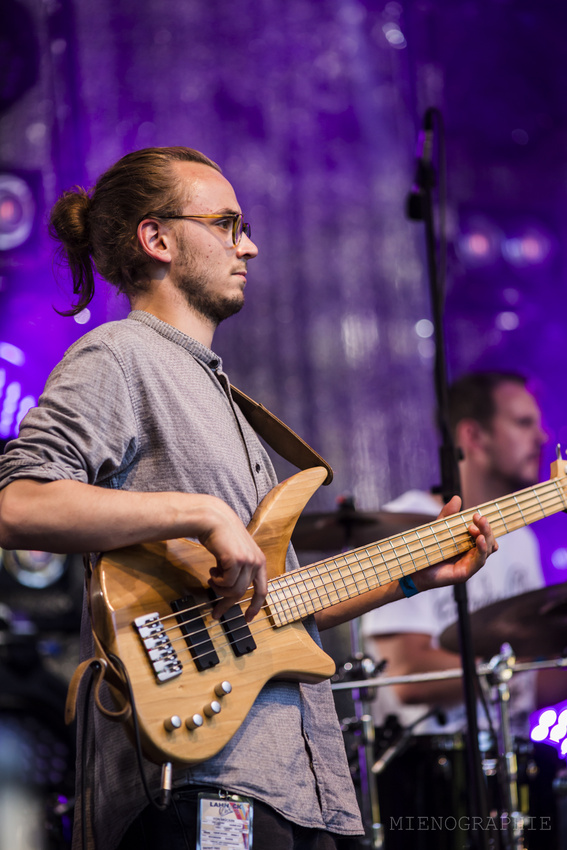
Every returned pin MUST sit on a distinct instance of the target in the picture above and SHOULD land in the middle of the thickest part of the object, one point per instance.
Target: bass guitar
(193, 678)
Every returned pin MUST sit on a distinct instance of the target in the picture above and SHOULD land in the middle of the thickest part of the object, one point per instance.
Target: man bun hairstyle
(97, 229)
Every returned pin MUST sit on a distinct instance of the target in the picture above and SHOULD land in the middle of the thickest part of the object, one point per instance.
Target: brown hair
(472, 396)
(99, 227)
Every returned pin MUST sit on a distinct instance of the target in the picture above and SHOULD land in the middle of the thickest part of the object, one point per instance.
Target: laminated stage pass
(225, 823)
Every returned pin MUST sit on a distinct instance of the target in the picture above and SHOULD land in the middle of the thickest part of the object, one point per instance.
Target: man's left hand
(462, 567)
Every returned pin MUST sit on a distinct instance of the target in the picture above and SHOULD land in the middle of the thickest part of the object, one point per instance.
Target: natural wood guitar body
(194, 679)
(128, 583)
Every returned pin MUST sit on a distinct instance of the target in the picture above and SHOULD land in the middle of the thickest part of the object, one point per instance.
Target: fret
(289, 600)
(561, 493)
(300, 591)
(362, 571)
(277, 607)
(531, 511)
(465, 519)
(514, 517)
(497, 506)
(324, 598)
(450, 530)
(434, 535)
(334, 576)
(397, 557)
(520, 510)
(540, 504)
(384, 562)
(319, 594)
(311, 590)
(423, 549)
(343, 589)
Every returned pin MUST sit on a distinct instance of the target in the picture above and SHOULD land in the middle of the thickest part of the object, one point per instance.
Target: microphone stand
(420, 207)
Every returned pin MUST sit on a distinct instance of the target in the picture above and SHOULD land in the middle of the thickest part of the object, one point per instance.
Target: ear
(470, 436)
(155, 239)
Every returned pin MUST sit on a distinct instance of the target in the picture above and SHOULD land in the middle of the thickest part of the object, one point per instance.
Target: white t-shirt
(514, 569)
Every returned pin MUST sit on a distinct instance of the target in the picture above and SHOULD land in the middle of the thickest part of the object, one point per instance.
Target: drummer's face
(515, 437)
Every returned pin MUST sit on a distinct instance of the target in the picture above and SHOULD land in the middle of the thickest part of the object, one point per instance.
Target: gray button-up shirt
(138, 405)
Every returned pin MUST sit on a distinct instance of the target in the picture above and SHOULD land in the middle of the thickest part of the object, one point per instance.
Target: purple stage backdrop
(312, 109)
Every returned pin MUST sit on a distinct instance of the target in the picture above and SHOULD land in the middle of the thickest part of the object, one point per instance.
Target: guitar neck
(295, 595)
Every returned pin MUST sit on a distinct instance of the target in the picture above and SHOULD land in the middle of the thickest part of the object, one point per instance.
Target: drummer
(496, 422)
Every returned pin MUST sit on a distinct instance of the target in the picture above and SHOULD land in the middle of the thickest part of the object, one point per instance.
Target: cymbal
(348, 528)
(534, 624)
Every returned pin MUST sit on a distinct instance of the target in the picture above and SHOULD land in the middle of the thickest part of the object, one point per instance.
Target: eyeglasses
(234, 220)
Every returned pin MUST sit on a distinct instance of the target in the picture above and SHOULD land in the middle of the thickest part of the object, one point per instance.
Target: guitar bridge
(162, 656)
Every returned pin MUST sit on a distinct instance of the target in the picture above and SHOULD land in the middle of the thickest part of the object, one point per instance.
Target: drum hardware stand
(401, 744)
(560, 794)
(439, 675)
(501, 670)
(361, 664)
(363, 724)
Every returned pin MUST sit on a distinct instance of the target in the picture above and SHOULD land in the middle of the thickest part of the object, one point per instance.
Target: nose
(246, 248)
(542, 436)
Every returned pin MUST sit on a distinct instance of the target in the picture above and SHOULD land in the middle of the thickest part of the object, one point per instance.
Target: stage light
(83, 317)
(507, 321)
(559, 558)
(530, 248)
(539, 733)
(394, 36)
(33, 568)
(549, 726)
(478, 244)
(17, 211)
(424, 328)
(13, 405)
(12, 354)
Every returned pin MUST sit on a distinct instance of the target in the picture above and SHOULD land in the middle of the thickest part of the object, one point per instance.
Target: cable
(84, 763)
(117, 662)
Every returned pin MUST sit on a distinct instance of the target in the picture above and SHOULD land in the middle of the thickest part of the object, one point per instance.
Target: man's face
(512, 443)
(207, 268)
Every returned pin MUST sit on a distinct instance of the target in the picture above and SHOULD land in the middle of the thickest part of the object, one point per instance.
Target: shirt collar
(197, 349)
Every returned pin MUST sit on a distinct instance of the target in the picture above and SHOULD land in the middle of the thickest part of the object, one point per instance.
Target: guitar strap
(278, 435)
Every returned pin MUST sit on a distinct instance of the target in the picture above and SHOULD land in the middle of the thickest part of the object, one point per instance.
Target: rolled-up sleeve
(84, 427)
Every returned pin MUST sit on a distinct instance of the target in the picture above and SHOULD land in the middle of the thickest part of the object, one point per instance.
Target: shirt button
(258, 467)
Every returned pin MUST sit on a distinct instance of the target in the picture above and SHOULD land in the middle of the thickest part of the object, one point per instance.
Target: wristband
(408, 586)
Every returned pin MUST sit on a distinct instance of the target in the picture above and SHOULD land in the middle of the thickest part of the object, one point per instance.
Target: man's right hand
(240, 562)
(70, 516)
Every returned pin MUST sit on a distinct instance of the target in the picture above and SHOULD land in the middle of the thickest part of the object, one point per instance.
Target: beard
(213, 307)
(194, 283)
(513, 479)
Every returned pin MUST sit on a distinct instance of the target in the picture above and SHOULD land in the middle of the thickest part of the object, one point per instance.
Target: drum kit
(413, 788)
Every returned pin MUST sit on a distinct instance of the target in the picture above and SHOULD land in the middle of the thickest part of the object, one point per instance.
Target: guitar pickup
(195, 633)
(161, 654)
(237, 630)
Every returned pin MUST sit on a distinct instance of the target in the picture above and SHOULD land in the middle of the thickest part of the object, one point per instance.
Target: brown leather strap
(73, 690)
(278, 435)
(99, 667)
